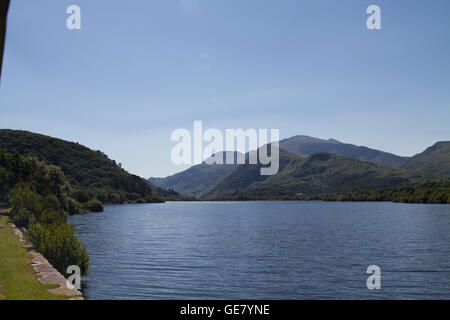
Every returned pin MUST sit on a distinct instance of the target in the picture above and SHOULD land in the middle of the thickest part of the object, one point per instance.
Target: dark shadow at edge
(4, 6)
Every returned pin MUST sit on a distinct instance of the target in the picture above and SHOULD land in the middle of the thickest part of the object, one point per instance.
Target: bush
(26, 205)
(50, 216)
(82, 196)
(60, 246)
(22, 218)
(50, 202)
(94, 206)
(73, 206)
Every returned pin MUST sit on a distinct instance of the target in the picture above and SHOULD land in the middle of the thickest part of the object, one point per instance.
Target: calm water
(267, 250)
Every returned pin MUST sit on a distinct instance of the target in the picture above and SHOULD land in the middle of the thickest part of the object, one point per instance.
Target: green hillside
(84, 168)
(246, 175)
(322, 173)
(435, 159)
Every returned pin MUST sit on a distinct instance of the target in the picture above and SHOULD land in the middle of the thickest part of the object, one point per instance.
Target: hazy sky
(137, 70)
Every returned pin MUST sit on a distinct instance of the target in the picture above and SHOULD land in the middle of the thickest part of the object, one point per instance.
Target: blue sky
(134, 74)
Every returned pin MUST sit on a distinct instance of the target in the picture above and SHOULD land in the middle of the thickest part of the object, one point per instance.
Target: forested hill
(308, 178)
(84, 168)
(435, 159)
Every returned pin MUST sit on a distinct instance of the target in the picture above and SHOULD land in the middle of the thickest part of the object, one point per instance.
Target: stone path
(45, 271)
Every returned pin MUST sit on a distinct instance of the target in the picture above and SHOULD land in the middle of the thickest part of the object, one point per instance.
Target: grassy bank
(17, 278)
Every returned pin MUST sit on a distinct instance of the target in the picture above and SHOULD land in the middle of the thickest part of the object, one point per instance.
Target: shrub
(26, 205)
(82, 196)
(50, 202)
(22, 218)
(73, 206)
(94, 206)
(60, 245)
(50, 216)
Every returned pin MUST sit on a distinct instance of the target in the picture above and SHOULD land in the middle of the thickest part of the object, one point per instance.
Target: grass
(17, 278)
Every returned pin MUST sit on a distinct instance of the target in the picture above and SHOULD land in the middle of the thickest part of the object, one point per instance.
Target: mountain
(195, 180)
(435, 159)
(306, 146)
(84, 168)
(319, 174)
(246, 175)
(199, 180)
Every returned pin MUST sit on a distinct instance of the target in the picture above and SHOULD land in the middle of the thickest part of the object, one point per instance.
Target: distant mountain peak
(334, 140)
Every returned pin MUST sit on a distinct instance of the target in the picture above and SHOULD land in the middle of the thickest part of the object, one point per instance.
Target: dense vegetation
(425, 193)
(430, 193)
(85, 169)
(47, 179)
(41, 200)
(435, 159)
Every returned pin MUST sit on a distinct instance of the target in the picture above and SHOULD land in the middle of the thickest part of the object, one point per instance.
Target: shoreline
(43, 281)
(303, 201)
(45, 272)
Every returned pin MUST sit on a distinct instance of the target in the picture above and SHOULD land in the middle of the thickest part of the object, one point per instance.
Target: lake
(266, 250)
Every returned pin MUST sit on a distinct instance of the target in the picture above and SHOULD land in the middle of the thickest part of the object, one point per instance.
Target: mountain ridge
(435, 159)
(197, 181)
(305, 146)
